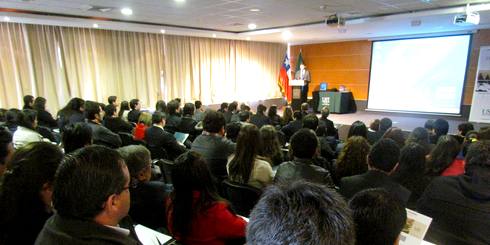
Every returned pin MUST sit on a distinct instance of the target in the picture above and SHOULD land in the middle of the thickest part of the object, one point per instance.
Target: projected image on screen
(419, 75)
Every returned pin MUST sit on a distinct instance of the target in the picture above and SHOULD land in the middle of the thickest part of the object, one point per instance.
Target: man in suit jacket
(293, 126)
(157, 137)
(303, 74)
(135, 112)
(382, 160)
(100, 134)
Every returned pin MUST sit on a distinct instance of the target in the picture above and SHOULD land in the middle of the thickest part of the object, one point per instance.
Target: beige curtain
(60, 63)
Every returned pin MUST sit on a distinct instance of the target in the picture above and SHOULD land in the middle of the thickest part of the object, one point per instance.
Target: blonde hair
(145, 118)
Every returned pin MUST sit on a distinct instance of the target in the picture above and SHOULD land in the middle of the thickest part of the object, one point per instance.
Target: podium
(296, 86)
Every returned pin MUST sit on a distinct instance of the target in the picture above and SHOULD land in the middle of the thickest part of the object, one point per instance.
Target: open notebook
(415, 229)
(148, 236)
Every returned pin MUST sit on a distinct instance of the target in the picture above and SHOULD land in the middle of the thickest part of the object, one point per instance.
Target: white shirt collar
(119, 230)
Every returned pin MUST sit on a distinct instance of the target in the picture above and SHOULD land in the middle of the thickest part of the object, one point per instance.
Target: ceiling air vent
(102, 9)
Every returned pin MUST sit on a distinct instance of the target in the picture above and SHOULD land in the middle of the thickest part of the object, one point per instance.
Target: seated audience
(147, 197)
(310, 121)
(484, 133)
(196, 214)
(76, 136)
(90, 212)
(231, 112)
(274, 119)
(112, 100)
(244, 117)
(71, 113)
(199, 114)
(115, 123)
(464, 128)
(304, 109)
(212, 144)
(25, 197)
(322, 134)
(293, 126)
(303, 148)
(12, 119)
(327, 123)
(161, 106)
(173, 118)
(287, 116)
(6, 150)
(396, 134)
(223, 107)
(232, 131)
(470, 138)
(156, 137)
(352, 159)
(134, 114)
(28, 102)
(100, 134)
(384, 124)
(144, 122)
(300, 213)
(382, 161)
(441, 127)
(26, 130)
(245, 165)
(420, 136)
(270, 145)
(188, 124)
(357, 128)
(44, 118)
(443, 159)
(411, 172)
(379, 217)
(123, 111)
(460, 205)
(2, 116)
(260, 119)
(374, 125)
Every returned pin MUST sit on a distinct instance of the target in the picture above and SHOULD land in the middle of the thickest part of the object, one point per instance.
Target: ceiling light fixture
(95, 25)
(126, 11)
(214, 35)
(254, 10)
(162, 31)
(252, 26)
(179, 1)
(6, 18)
(286, 35)
(248, 38)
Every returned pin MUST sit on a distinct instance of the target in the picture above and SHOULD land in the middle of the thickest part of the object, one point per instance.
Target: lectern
(296, 86)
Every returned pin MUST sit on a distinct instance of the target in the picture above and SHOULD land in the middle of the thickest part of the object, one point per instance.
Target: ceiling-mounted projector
(334, 21)
(467, 19)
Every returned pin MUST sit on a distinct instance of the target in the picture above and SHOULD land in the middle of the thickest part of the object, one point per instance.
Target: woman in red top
(195, 212)
(442, 160)
(144, 122)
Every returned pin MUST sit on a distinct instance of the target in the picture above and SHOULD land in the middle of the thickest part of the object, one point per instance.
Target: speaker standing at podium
(303, 74)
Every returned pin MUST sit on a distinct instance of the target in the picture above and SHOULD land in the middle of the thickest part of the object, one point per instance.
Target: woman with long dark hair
(287, 116)
(245, 166)
(270, 145)
(124, 110)
(443, 157)
(71, 113)
(43, 116)
(196, 214)
(274, 119)
(420, 136)
(25, 196)
(352, 159)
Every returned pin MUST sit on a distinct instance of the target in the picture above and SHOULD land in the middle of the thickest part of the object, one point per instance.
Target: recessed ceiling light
(6, 18)
(126, 11)
(162, 31)
(248, 38)
(252, 26)
(95, 25)
(286, 35)
(254, 10)
(214, 35)
(179, 1)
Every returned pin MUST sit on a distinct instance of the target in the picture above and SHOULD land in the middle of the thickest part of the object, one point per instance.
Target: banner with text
(480, 106)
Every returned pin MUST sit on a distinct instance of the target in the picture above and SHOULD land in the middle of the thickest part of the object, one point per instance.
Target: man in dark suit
(134, 114)
(260, 119)
(293, 126)
(115, 123)
(100, 134)
(382, 160)
(156, 137)
(303, 74)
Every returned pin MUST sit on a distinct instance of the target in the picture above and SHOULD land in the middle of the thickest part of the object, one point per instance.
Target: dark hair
(190, 175)
(244, 107)
(223, 107)
(157, 117)
(198, 104)
(353, 157)
(112, 99)
(384, 155)
(73, 106)
(5, 141)
(92, 108)
(244, 116)
(441, 127)
(396, 134)
(213, 121)
(28, 99)
(484, 133)
(429, 124)
(124, 107)
(3, 115)
(76, 136)
(133, 103)
(272, 111)
(39, 104)
(161, 106)
(300, 213)
(270, 145)
(137, 158)
(384, 124)
(310, 121)
(465, 128)
(411, 166)
(379, 217)
(478, 158)
(248, 145)
(325, 112)
(304, 106)
(232, 130)
(233, 106)
(12, 116)
(443, 154)
(357, 128)
(26, 118)
(261, 109)
(189, 109)
(374, 125)
(110, 110)
(287, 114)
(420, 136)
(172, 107)
(85, 170)
(470, 137)
(30, 168)
(304, 143)
(297, 115)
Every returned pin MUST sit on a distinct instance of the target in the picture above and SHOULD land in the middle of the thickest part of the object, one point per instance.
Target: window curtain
(60, 63)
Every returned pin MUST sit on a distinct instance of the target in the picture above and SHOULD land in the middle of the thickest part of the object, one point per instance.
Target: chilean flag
(283, 80)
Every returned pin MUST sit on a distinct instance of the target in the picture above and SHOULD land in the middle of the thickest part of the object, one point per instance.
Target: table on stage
(337, 102)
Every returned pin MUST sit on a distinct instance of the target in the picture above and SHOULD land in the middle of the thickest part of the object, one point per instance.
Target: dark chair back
(157, 152)
(166, 167)
(242, 197)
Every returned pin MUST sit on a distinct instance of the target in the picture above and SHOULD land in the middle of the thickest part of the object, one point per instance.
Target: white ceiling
(229, 18)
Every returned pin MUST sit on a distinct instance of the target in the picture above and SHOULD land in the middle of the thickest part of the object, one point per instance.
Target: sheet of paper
(150, 237)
